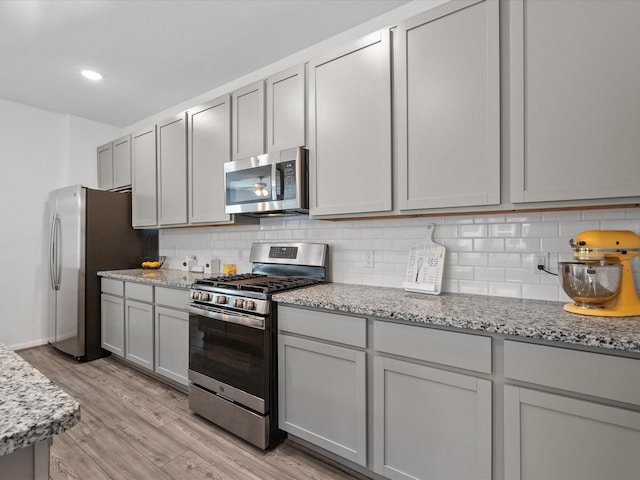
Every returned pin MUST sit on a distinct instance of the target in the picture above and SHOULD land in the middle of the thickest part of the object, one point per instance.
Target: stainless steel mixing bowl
(590, 285)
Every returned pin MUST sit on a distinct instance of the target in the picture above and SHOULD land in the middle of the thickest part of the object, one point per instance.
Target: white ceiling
(154, 53)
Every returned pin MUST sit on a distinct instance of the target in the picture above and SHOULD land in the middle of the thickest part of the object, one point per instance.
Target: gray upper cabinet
(122, 162)
(350, 128)
(209, 147)
(574, 76)
(172, 167)
(105, 166)
(248, 125)
(114, 164)
(448, 107)
(286, 113)
(145, 196)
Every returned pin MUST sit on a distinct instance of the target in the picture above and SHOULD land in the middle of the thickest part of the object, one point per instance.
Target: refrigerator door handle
(53, 253)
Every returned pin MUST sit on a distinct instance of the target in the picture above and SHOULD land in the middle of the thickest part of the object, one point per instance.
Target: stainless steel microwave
(270, 184)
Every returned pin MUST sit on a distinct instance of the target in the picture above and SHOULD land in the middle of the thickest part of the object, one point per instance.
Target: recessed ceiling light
(91, 75)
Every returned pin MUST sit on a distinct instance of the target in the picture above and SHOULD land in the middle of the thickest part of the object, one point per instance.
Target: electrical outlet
(540, 258)
(368, 258)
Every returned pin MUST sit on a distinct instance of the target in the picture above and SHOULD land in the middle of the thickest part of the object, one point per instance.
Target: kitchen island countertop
(529, 319)
(32, 408)
(163, 277)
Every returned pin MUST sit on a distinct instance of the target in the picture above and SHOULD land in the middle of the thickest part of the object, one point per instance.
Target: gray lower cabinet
(586, 427)
(322, 387)
(555, 436)
(147, 325)
(139, 333)
(112, 323)
(430, 423)
(112, 316)
(172, 334)
(172, 343)
(323, 395)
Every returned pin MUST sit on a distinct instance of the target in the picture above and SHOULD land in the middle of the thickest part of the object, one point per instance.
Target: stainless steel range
(233, 339)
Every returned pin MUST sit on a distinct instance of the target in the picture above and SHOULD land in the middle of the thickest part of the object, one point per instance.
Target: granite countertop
(32, 408)
(532, 319)
(164, 277)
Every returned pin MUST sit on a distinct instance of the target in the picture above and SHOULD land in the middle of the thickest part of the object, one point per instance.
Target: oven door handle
(246, 320)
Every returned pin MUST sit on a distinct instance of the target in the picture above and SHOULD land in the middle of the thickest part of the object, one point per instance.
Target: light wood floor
(134, 427)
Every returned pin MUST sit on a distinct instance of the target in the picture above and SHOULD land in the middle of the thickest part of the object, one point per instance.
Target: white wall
(37, 151)
(486, 254)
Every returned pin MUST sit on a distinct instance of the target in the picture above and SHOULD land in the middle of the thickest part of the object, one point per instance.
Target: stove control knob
(221, 299)
(204, 296)
(250, 305)
(194, 295)
(239, 303)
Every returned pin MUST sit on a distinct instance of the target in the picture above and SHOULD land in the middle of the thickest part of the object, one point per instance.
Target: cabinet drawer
(605, 376)
(138, 291)
(114, 287)
(460, 350)
(324, 325)
(172, 297)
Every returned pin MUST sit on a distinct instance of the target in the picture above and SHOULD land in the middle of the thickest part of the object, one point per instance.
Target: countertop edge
(597, 333)
(54, 410)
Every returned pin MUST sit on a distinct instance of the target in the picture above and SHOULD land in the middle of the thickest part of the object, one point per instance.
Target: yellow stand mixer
(607, 253)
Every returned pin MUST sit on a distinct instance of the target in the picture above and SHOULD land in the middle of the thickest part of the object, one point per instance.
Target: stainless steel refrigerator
(90, 230)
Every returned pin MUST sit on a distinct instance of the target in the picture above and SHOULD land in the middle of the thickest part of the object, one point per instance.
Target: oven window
(251, 185)
(230, 353)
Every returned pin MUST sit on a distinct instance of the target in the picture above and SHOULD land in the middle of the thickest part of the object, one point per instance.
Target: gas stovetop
(255, 282)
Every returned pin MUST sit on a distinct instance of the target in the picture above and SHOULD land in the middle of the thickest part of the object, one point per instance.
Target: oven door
(229, 355)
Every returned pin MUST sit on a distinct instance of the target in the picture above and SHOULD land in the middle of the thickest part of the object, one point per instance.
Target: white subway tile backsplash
(486, 254)
(489, 274)
(512, 260)
(472, 231)
(505, 230)
(570, 229)
(540, 229)
(473, 258)
(500, 289)
(521, 245)
(489, 245)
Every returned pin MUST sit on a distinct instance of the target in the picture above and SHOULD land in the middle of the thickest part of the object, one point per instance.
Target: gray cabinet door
(286, 112)
(430, 423)
(247, 128)
(350, 128)
(112, 324)
(209, 147)
(574, 125)
(105, 167)
(145, 196)
(172, 343)
(322, 395)
(172, 170)
(139, 333)
(448, 108)
(122, 162)
(553, 436)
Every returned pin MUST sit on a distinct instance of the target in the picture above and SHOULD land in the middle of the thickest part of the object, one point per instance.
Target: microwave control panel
(288, 174)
